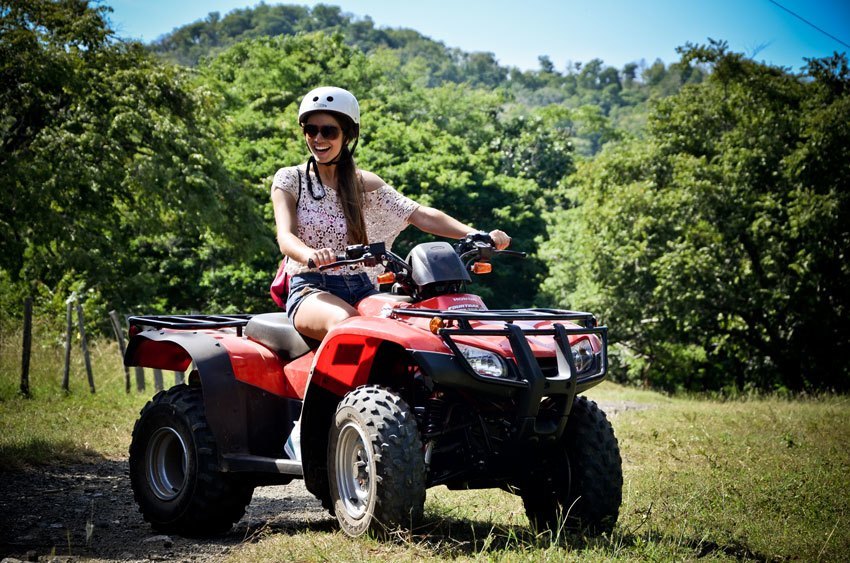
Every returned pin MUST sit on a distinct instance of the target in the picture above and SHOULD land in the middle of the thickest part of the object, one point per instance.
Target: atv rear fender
(250, 406)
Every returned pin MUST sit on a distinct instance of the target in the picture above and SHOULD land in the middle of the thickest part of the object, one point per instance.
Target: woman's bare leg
(319, 313)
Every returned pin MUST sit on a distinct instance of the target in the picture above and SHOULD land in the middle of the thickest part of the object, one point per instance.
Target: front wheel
(376, 467)
(577, 485)
(174, 468)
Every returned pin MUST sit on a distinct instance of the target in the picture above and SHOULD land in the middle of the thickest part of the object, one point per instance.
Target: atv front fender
(344, 361)
(346, 356)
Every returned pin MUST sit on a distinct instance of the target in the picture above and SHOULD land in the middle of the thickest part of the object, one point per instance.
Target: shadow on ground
(87, 511)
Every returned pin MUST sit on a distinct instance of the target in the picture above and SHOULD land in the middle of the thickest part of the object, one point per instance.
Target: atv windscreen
(436, 263)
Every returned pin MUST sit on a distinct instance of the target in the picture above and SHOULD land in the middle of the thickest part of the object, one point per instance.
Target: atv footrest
(260, 464)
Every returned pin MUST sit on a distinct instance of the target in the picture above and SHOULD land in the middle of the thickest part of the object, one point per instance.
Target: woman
(328, 204)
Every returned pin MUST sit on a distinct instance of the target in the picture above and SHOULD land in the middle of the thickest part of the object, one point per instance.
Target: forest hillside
(699, 208)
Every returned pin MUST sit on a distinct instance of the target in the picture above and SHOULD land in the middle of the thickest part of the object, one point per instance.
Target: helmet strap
(319, 193)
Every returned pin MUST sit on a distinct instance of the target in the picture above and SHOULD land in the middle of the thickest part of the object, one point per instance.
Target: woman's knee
(337, 315)
(321, 313)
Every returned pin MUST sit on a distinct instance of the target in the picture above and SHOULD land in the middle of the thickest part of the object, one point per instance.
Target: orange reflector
(482, 268)
(387, 277)
(436, 324)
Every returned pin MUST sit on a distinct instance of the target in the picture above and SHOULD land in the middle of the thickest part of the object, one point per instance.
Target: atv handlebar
(480, 247)
(473, 247)
(369, 255)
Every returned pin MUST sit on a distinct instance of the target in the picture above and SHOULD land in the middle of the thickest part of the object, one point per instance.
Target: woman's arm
(438, 223)
(289, 244)
(433, 220)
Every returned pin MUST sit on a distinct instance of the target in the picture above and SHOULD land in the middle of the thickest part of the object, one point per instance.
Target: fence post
(84, 345)
(157, 379)
(25, 358)
(119, 334)
(68, 328)
(140, 378)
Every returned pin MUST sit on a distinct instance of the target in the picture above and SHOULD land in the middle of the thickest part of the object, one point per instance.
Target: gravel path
(87, 512)
(46, 514)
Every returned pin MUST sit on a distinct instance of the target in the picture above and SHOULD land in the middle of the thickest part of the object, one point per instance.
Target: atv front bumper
(531, 381)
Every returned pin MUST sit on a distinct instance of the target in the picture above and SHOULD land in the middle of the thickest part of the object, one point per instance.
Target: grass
(58, 427)
(760, 478)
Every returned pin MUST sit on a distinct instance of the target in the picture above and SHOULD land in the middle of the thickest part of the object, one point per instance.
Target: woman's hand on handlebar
(501, 240)
(320, 257)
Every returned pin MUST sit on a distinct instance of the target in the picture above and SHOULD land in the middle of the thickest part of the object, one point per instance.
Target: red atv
(428, 387)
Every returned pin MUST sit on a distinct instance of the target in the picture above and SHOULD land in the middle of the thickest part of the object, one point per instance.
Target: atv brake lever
(341, 257)
(367, 260)
(516, 253)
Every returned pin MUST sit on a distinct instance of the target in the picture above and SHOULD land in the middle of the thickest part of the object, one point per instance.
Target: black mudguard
(243, 419)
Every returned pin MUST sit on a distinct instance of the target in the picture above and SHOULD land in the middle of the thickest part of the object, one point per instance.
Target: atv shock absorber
(434, 414)
(435, 411)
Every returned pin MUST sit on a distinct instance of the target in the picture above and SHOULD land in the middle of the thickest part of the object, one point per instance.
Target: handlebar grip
(480, 236)
(338, 258)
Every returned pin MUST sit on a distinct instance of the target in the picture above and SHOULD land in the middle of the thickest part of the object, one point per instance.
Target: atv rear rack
(191, 322)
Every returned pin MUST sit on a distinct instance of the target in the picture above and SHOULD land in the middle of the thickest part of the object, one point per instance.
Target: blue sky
(518, 32)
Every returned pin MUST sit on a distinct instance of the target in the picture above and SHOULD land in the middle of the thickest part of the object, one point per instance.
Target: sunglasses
(329, 132)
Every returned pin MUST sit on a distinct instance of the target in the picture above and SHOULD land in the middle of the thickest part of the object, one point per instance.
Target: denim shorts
(349, 288)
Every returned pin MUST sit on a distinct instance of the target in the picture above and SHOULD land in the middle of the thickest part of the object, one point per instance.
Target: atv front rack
(530, 380)
(463, 317)
(458, 323)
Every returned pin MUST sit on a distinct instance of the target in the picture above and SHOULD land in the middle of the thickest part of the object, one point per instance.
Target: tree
(716, 246)
(438, 145)
(110, 165)
(546, 64)
(538, 146)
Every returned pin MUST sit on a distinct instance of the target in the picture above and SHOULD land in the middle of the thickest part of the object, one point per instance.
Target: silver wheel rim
(166, 460)
(353, 470)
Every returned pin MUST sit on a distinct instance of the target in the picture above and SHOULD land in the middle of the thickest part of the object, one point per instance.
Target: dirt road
(87, 512)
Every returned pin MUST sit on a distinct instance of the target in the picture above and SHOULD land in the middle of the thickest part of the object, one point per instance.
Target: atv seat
(275, 331)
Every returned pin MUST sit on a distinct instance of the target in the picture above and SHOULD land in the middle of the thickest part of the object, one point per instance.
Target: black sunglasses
(329, 132)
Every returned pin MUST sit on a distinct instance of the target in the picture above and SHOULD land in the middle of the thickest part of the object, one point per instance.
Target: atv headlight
(582, 355)
(484, 362)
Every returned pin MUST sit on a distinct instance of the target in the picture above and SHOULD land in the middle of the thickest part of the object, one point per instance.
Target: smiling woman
(328, 204)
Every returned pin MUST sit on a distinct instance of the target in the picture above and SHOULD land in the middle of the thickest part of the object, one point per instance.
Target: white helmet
(331, 99)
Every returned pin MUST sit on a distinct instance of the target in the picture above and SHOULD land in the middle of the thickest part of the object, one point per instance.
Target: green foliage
(110, 164)
(699, 208)
(443, 146)
(618, 95)
(715, 247)
(189, 44)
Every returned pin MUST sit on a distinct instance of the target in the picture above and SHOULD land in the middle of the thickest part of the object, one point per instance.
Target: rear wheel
(375, 463)
(174, 468)
(578, 485)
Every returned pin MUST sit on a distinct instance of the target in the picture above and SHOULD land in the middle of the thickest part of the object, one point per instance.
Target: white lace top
(321, 223)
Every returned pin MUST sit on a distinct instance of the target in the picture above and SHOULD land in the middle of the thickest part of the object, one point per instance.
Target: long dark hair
(350, 187)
